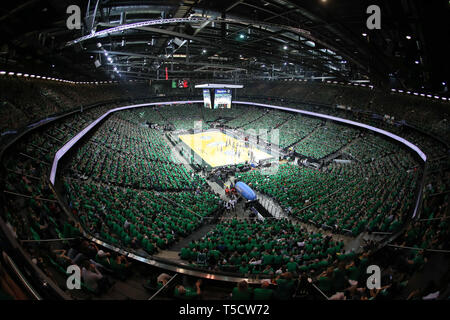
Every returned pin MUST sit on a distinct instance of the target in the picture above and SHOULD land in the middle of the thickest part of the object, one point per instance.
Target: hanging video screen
(222, 98)
(206, 98)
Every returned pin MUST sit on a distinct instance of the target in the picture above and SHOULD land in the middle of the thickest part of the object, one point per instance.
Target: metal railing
(418, 249)
(320, 291)
(21, 277)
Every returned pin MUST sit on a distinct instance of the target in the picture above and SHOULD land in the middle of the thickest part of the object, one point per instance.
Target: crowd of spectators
(265, 248)
(24, 100)
(125, 187)
(345, 198)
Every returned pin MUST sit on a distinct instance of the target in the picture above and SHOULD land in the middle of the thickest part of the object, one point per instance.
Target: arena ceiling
(232, 40)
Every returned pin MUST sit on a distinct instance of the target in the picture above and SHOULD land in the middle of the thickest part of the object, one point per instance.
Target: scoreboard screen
(180, 84)
(222, 98)
(206, 98)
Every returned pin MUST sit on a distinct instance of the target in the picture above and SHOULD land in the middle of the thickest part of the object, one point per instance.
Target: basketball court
(218, 149)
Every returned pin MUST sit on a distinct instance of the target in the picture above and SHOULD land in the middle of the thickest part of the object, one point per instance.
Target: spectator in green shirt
(292, 266)
(285, 287)
(243, 269)
(417, 262)
(188, 293)
(263, 293)
(241, 292)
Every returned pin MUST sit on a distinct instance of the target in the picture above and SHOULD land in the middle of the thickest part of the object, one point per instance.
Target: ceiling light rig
(109, 58)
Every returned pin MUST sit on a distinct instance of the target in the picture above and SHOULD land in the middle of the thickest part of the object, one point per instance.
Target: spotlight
(408, 37)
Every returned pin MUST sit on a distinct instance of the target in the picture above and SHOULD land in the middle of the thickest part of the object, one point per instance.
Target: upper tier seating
(24, 101)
